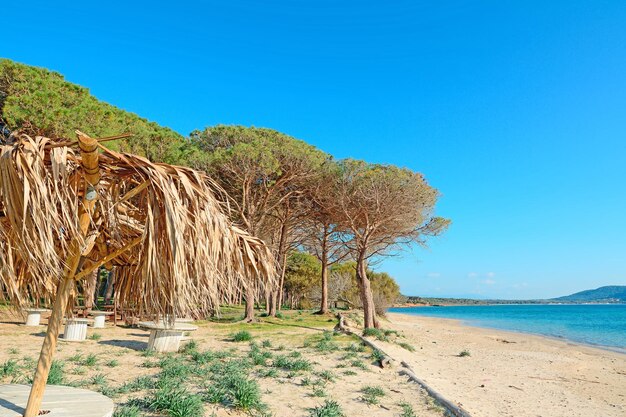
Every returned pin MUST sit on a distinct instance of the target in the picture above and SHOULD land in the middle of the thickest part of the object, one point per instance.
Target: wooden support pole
(91, 174)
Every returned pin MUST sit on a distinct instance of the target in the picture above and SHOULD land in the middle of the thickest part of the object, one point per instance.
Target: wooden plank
(61, 401)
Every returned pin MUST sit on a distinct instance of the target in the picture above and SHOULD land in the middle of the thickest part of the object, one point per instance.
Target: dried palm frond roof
(161, 224)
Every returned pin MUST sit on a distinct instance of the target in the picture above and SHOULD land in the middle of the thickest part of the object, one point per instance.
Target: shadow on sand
(129, 344)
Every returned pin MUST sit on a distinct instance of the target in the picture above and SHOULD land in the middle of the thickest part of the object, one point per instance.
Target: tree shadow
(129, 344)
(8, 405)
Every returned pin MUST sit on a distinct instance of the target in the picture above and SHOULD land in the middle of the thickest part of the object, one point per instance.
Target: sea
(602, 325)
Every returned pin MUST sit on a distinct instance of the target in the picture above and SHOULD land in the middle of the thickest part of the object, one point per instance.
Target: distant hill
(610, 293)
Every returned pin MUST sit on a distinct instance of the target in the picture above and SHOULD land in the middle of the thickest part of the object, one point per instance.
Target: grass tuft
(330, 408)
(242, 336)
(127, 411)
(371, 394)
(407, 410)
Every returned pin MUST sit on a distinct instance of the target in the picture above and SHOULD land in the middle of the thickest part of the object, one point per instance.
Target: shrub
(464, 353)
(242, 336)
(95, 336)
(112, 363)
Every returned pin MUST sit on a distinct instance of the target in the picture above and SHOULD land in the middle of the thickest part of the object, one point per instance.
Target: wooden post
(91, 173)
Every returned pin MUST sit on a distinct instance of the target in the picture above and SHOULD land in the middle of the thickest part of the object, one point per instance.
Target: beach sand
(285, 394)
(511, 374)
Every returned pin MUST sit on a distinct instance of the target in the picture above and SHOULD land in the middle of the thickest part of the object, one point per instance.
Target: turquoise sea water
(603, 325)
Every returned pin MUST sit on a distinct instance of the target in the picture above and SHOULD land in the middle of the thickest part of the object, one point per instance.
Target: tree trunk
(89, 289)
(279, 260)
(249, 304)
(324, 261)
(369, 311)
(110, 286)
(324, 303)
(272, 306)
(280, 291)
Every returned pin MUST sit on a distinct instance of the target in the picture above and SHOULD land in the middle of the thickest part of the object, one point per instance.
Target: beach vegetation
(242, 336)
(89, 360)
(372, 394)
(330, 408)
(56, 376)
(127, 411)
(407, 410)
(406, 346)
(464, 353)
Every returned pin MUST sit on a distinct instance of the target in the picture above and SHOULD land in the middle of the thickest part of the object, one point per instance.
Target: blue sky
(515, 111)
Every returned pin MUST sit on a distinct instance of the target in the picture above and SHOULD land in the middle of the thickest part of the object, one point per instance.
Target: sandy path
(512, 374)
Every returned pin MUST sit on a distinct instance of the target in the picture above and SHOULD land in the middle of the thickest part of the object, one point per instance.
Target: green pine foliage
(41, 102)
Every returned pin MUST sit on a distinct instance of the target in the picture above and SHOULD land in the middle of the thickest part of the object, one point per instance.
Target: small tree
(323, 234)
(384, 208)
(262, 172)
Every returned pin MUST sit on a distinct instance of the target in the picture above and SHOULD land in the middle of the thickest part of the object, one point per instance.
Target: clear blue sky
(516, 111)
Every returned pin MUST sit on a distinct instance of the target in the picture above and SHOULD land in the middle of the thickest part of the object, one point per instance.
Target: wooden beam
(82, 274)
(100, 140)
(91, 177)
(133, 192)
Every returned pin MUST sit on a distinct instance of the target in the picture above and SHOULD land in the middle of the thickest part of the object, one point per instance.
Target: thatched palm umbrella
(69, 207)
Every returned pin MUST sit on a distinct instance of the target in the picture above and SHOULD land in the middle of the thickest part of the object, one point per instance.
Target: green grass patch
(407, 410)
(330, 408)
(406, 346)
(372, 394)
(292, 364)
(242, 336)
(127, 411)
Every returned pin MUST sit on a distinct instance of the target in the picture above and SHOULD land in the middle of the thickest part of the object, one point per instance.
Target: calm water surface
(598, 324)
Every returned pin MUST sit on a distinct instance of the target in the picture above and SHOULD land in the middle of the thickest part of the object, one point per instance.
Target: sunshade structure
(68, 207)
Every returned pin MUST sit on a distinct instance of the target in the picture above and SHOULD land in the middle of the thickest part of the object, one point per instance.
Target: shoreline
(462, 322)
(510, 373)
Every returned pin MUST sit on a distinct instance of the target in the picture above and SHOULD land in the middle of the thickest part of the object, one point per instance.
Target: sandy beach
(511, 374)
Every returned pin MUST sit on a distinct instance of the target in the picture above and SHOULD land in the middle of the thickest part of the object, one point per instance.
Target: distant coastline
(609, 294)
(445, 302)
